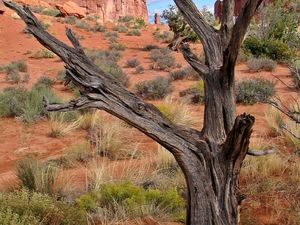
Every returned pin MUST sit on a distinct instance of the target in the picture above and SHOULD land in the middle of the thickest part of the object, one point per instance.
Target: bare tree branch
(193, 60)
(209, 37)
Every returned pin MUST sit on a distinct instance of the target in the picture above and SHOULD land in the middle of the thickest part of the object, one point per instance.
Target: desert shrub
(134, 32)
(137, 200)
(114, 69)
(162, 59)
(139, 23)
(254, 90)
(120, 28)
(117, 47)
(24, 207)
(44, 81)
(13, 76)
(133, 63)
(51, 12)
(186, 73)
(150, 47)
(81, 24)
(43, 54)
(242, 56)
(157, 88)
(139, 69)
(98, 55)
(61, 74)
(165, 36)
(26, 78)
(125, 19)
(109, 34)
(259, 64)
(92, 17)
(271, 48)
(46, 24)
(70, 20)
(113, 40)
(98, 28)
(195, 93)
(18, 65)
(18, 102)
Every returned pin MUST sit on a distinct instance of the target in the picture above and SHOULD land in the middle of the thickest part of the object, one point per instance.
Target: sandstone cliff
(111, 10)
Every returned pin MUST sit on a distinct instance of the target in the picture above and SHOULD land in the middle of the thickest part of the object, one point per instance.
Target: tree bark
(210, 159)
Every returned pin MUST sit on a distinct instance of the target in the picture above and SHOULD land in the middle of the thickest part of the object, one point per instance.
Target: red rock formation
(111, 10)
(156, 18)
(71, 9)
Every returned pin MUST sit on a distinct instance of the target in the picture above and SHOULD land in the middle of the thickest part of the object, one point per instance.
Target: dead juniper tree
(210, 159)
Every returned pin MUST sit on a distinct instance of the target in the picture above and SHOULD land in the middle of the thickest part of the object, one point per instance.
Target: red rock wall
(111, 10)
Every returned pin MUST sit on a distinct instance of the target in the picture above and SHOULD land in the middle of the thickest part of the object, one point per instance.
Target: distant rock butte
(107, 10)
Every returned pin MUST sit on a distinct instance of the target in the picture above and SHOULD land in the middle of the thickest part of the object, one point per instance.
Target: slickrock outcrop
(71, 9)
(111, 10)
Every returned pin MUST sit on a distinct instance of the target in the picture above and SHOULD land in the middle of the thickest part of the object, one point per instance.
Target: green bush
(139, 69)
(109, 34)
(125, 19)
(162, 59)
(165, 36)
(120, 28)
(19, 65)
(13, 76)
(43, 54)
(150, 47)
(81, 24)
(98, 28)
(18, 102)
(195, 93)
(271, 48)
(30, 208)
(254, 90)
(186, 73)
(70, 20)
(139, 23)
(259, 64)
(157, 88)
(133, 63)
(134, 32)
(117, 47)
(44, 81)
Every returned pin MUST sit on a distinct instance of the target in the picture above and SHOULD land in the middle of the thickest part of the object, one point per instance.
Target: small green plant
(13, 76)
(139, 69)
(81, 24)
(157, 88)
(44, 81)
(98, 28)
(70, 20)
(117, 47)
(125, 19)
(43, 54)
(261, 64)
(186, 73)
(133, 63)
(139, 23)
(254, 90)
(109, 34)
(150, 47)
(120, 28)
(134, 32)
(19, 65)
(162, 59)
(23, 207)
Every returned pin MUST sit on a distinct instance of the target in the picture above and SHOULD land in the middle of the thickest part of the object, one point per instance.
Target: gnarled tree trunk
(210, 159)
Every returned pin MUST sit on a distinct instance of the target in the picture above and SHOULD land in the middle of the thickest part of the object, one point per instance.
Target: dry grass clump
(261, 64)
(177, 111)
(60, 126)
(112, 139)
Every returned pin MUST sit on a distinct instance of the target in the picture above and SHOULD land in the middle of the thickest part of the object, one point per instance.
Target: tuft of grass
(61, 126)
(81, 24)
(120, 28)
(157, 88)
(109, 34)
(117, 47)
(195, 93)
(43, 54)
(134, 32)
(70, 20)
(139, 69)
(98, 28)
(186, 73)
(164, 36)
(44, 81)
